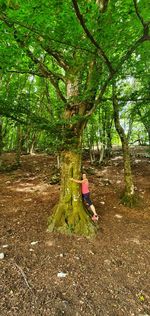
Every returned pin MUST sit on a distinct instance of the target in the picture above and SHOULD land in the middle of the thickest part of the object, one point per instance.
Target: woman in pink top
(86, 194)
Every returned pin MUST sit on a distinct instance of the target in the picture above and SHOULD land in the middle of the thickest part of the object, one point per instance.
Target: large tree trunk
(70, 215)
(129, 194)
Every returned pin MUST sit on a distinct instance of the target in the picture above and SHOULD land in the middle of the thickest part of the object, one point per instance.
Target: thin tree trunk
(32, 144)
(32, 148)
(148, 132)
(91, 157)
(18, 149)
(102, 153)
(58, 161)
(90, 148)
(109, 121)
(109, 144)
(149, 136)
(97, 145)
(146, 125)
(1, 141)
(129, 197)
(93, 151)
(130, 128)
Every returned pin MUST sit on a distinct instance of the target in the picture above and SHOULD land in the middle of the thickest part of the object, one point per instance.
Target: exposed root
(71, 222)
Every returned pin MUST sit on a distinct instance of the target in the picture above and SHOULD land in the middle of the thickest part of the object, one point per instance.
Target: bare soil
(108, 275)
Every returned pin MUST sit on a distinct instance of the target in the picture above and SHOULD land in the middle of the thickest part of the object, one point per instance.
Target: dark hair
(83, 171)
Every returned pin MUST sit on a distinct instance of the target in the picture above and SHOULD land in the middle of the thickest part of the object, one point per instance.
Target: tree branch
(144, 24)
(129, 52)
(126, 99)
(54, 78)
(118, 126)
(90, 36)
(102, 5)
(120, 64)
(23, 274)
(11, 23)
(57, 56)
(99, 98)
(137, 13)
(34, 73)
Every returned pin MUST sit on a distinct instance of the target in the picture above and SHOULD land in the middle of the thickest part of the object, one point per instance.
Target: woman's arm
(77, 181)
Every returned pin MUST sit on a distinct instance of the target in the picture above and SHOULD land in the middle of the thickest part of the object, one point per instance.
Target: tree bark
(102, 151)
(129, 194)
(109, 121)
(70, 215)
(109, 144)
(58, 161)
(1, 140)
(102, 5)
(18, 146)
(148, 136)
(32, 144)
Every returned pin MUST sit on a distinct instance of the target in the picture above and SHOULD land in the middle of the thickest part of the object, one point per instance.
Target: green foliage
(43, 45)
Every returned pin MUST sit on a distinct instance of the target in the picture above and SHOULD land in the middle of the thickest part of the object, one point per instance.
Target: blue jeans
(86, 198)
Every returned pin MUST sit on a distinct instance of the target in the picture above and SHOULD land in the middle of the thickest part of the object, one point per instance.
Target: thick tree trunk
(129, 194)
(70, 215)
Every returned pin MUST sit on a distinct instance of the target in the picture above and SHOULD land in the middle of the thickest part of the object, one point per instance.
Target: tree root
(71, 222)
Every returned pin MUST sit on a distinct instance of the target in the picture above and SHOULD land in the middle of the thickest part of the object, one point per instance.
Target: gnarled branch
(144, 23)
(90, 36)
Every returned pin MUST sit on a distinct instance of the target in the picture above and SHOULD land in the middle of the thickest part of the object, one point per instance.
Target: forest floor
(108, 275)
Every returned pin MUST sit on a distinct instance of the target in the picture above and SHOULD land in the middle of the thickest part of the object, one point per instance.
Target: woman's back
(85, 187)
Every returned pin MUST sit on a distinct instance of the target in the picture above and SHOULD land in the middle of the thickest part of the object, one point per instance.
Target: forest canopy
(72, 73)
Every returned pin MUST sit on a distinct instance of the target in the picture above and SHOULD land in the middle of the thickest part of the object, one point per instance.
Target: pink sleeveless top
(85, 187)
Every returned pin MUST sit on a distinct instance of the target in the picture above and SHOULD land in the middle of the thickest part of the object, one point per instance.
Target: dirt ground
(108, 275)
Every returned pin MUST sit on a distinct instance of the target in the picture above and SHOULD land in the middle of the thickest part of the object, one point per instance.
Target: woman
(86, 194)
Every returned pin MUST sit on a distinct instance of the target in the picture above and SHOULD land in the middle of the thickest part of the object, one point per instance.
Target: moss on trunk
(70, 216)
(129, 198)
